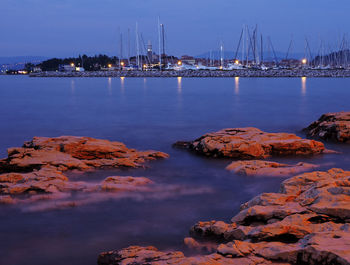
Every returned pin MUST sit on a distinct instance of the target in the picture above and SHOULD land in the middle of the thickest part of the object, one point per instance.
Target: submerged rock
(49, 180)
(267, 168)
(331, 126)
(308, 222)
(252, 143)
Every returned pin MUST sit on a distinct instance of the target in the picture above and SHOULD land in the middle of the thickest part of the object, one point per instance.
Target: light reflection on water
(303, 85)
(168, 110)
(236, 85)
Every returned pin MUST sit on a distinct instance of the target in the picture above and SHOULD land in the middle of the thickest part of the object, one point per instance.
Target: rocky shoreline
(204, 73)
(306, 222)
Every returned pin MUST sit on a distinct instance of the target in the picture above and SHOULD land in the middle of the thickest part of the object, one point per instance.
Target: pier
(204, 73)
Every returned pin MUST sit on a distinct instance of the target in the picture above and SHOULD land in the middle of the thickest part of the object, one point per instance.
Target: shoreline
(338, 73)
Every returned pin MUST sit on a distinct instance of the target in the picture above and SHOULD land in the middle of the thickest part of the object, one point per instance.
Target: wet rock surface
(72, 152)
(252, 143)
(307, 222)
(331, 126)
(35, 171)
(268, 168)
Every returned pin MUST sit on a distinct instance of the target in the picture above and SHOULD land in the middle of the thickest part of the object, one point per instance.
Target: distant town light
(179, 63)
(304, 61)
(72, 64)
(109, 65)
(122, 63)
(237, 62)
(144, 66)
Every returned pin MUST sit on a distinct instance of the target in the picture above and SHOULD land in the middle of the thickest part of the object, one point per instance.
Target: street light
(179, 63)
(304, 61)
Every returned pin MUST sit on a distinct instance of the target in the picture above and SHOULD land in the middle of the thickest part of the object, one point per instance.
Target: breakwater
(204, 73)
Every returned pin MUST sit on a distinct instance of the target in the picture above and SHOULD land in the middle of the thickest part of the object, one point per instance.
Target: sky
(62, 28)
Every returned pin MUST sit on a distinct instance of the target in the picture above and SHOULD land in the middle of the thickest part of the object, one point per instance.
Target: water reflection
(303, 85)
(236, 85)
(122, 78)
(72, 86)
(109, 85)
(179, 84)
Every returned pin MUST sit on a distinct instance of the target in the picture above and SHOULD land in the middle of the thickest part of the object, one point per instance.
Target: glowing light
(72, 64)
(236, 61)
(304, 61)
(179, 63)
(122, 63)
(220, 67)
(144, 66)
(109, 65)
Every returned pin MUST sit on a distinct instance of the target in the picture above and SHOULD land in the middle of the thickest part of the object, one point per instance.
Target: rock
(36, 169)
(45, 180)
(118, 183)
(267, 168)
(191, 243)
(71, 152)
(331, 126)
(252, 143)
(7, 199)
(308, 222)
(137, 255)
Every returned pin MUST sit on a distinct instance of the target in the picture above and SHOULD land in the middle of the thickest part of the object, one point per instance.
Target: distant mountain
(22, 59)
(267, 55)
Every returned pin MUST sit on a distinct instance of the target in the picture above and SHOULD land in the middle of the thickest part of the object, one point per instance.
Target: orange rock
(307, 223)
(71, 152)
(267, 168)
(331, 126)
(252, 143)
(117, 183)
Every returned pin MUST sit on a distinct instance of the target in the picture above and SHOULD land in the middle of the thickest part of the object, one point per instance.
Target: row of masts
(252, 50)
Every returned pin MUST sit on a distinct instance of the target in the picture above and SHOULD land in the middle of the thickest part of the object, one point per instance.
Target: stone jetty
(204, 73)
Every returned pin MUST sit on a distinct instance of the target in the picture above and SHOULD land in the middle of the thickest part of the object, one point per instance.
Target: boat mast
(121, 49)
(163, 42)
(239, 44)
(128, 46)
(159, 46)
(261, 49)
(221, 55)
(137, 47)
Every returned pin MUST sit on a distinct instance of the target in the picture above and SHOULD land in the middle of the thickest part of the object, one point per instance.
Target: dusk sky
(72, 27)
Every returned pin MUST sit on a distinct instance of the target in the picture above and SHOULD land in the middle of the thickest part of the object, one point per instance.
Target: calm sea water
(150, 114)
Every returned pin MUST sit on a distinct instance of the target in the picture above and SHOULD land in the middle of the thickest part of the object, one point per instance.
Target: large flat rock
(72, 152)
(252, 143)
